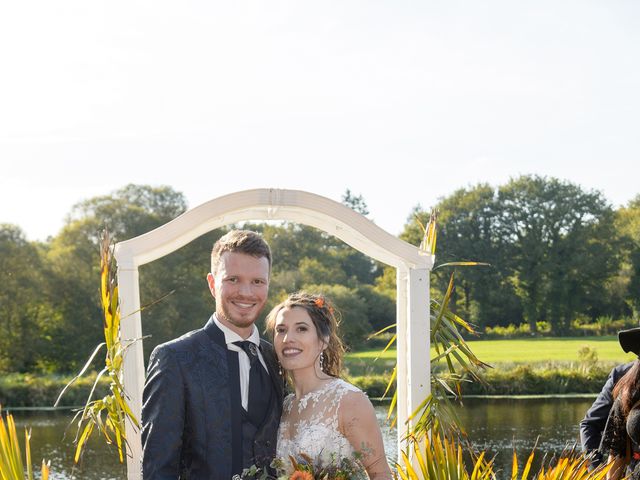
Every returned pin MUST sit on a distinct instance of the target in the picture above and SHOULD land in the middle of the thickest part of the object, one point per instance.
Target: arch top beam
(272, 204)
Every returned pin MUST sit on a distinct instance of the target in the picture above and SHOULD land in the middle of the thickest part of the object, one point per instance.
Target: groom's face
(240, 286)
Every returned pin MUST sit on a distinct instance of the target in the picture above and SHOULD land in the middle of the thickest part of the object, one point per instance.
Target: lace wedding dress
(309, 425)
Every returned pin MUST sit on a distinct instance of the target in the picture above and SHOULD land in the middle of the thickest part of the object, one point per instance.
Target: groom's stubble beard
(233, 320)
(226, 315)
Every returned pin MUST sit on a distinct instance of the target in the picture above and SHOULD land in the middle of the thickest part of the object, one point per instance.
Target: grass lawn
(530, 350)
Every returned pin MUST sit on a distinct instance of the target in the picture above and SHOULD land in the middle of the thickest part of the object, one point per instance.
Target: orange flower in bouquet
(301, 475)
(306, 469)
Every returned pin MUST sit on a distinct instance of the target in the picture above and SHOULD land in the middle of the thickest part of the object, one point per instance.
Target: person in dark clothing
(593, 423)
(621, 436)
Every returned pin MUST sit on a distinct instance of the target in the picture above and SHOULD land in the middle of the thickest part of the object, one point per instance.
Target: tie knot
(249, 348)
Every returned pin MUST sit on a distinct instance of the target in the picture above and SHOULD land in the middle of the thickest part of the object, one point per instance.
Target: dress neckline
(314, 394)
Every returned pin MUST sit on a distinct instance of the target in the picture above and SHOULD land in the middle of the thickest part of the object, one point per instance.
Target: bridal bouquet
(304, 468)
(344, 469)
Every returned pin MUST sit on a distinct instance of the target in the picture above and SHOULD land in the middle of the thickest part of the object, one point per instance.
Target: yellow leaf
(27, 449)
(83, 439)
(45, 470)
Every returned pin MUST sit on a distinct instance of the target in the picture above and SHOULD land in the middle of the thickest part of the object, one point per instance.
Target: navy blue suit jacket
(592, 425)
(191, 412)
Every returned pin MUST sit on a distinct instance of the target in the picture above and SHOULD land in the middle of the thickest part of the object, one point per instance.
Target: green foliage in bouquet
(108, 414)
(11, 466)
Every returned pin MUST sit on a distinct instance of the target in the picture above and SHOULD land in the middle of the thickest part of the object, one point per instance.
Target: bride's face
(296, 339)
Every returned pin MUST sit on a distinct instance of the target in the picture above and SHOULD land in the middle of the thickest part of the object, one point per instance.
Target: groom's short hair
(240, 241)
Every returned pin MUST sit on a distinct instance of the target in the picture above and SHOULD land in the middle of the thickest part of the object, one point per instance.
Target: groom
(213, 397)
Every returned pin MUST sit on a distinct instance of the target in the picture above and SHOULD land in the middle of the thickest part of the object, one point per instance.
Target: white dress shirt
(243, 359)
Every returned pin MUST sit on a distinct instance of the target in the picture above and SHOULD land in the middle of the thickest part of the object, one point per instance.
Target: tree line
(556, 252)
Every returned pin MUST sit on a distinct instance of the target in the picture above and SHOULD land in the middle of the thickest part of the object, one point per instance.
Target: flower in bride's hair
(319, 302)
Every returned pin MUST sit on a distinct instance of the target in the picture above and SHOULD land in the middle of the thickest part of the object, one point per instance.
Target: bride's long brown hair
(324, 317)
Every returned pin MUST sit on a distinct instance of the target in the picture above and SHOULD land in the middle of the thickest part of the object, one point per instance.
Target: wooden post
(134, 372)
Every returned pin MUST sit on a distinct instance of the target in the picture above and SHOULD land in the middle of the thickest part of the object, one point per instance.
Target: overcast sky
(402, 102)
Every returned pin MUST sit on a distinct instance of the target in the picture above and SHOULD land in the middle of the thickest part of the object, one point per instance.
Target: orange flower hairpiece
(319, 302)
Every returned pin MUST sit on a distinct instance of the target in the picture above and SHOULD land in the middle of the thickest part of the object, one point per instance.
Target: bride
(326, 419)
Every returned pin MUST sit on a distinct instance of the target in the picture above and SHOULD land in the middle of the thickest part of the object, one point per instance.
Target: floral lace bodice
(309, 425)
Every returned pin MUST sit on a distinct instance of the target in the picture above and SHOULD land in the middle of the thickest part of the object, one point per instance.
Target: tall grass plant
(12, 466)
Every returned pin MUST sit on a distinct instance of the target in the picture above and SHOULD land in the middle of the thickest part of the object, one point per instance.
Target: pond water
(496, 425)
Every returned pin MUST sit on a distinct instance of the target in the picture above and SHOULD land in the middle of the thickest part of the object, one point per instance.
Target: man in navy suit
(213, 397)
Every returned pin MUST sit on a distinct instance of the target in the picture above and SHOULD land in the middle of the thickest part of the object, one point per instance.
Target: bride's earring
(322, 361)
(280, 372)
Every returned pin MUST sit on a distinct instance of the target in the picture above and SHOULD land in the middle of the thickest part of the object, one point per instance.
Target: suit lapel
(234, 394)
(214, 332)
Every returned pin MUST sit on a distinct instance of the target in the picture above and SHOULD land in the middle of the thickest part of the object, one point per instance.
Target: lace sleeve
(614, 438)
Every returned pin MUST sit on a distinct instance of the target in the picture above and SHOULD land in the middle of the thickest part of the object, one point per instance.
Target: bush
(373, 385)
(516, 380)
(525, 380)
(27, 390)
(602, 326)
(510, 331)
(24, 390)
(605, 325)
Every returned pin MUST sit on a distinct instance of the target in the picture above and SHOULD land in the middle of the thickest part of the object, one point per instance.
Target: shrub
(27, 390)
(373, 385)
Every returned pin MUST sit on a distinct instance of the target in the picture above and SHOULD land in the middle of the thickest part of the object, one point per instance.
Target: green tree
(73, 265)
(356, 264)
(24, 307)
(467, 232)
(313, 271)
(628, 226)
(291, 243)
(562, 247)
(126, 213)
(129, 211)
(380, 308)
(352, 311)
(355, 202)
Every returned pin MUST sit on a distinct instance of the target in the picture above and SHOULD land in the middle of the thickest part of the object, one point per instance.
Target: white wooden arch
(412, 266)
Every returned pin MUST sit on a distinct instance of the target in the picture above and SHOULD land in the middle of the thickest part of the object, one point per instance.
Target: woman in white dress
(326, 418)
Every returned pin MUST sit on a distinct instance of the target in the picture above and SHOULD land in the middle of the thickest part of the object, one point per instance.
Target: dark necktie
(259, 386)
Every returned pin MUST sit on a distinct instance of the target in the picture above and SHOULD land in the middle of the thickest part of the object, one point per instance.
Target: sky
(402, 102)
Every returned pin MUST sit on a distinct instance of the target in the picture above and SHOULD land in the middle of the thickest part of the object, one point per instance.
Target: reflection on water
(52, 439)
(502, 425)
(495, 425)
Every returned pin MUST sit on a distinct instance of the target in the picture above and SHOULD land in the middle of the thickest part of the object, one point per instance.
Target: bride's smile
(288, 352)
